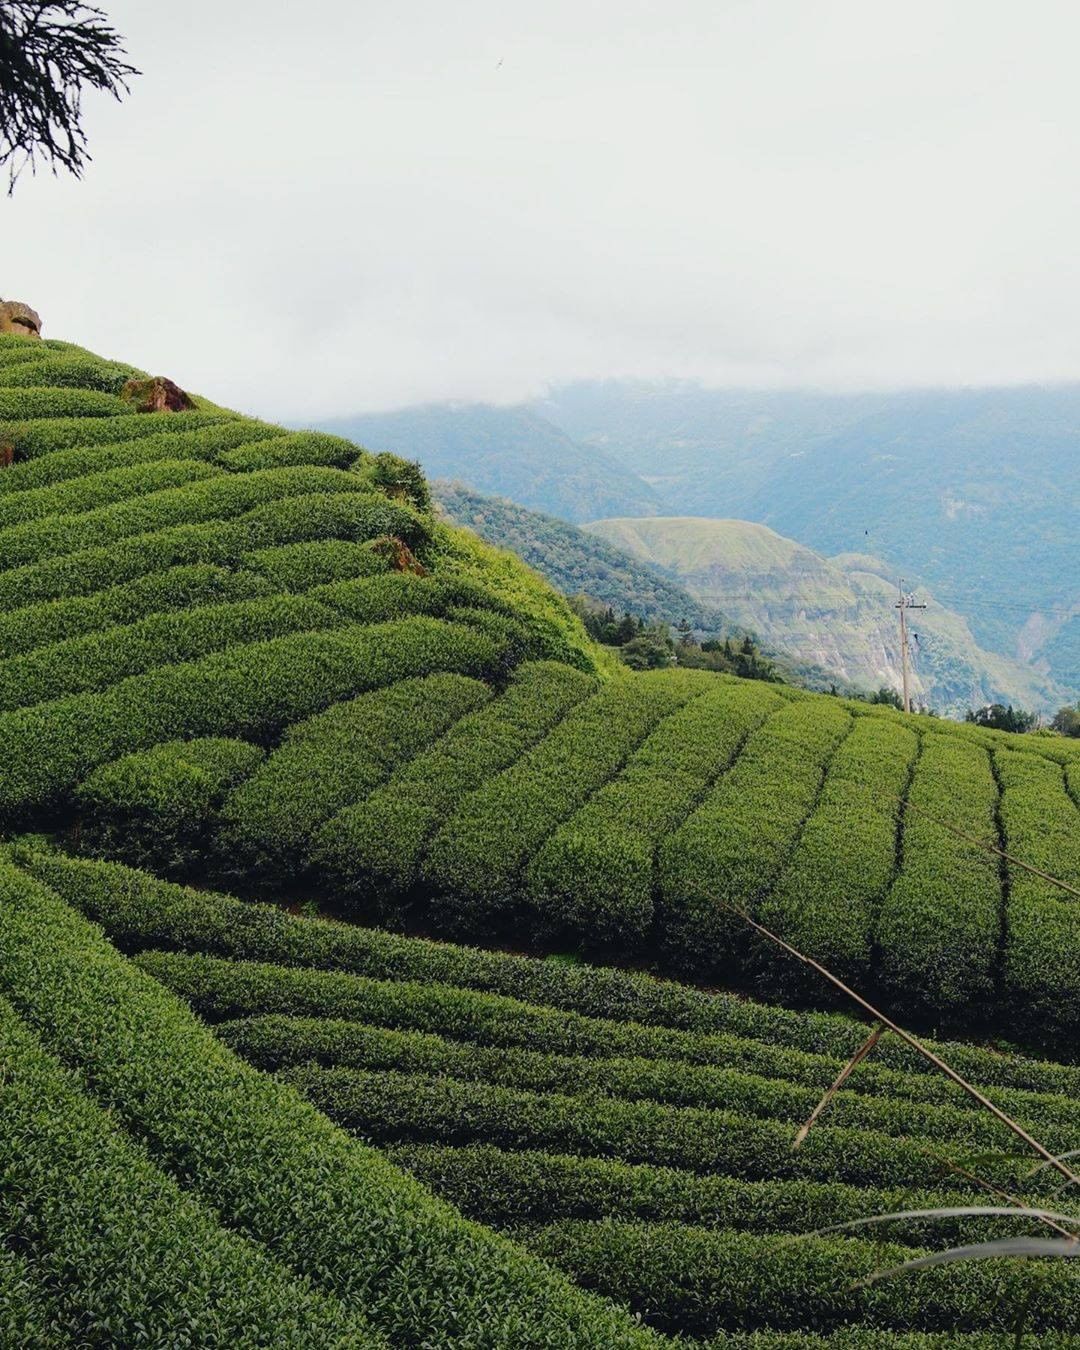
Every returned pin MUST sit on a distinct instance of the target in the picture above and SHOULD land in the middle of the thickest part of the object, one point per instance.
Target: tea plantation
(253, 661)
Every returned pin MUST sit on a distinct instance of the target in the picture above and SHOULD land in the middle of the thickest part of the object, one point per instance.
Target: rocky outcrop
(15, 317)
(156, 394)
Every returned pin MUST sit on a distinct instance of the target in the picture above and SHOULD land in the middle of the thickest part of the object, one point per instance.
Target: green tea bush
(273, 1169)
(159, 808)
(67, 372)
(221, 497)
(290, 519)
(478, 855)
(523, 641)
(695, 1281)
(730, 850)
(390, 1106)
(332, 760)
(131, 1257)
(594, 875)
(252, 690)
(827, 899)
(371, 599)
(503, 1189)
(53, 621)
(274, 1042)
(205, 442)
(576, 1008)
(33, 437)
(18, 405)
(97, 660)
(939, 925)
(299, 567)
(401, 479)
(301, 447)
(1041, 825)
(101, 489)
(28, 1312)
(379, 842)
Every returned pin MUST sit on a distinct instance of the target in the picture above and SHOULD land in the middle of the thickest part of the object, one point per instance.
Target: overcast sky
(316, 209)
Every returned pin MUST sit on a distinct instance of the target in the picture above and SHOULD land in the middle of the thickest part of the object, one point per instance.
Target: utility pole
(906, 601)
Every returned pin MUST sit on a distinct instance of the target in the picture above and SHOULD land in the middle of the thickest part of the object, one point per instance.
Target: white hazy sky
(317, 209)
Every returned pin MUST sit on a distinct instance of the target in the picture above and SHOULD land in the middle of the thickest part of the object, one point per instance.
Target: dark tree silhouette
(50, 52)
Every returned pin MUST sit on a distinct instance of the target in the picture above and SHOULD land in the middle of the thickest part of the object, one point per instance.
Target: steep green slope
(835, 612)
(508, 451)
(230, 650)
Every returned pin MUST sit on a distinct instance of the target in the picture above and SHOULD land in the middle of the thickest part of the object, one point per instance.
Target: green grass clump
(939, 926)
(593, 878)
(32, 626)
(827, 899)
(252, 690)
(129, 1256)
(159, 808)
(379, 842)
(273, 1169)
(733, 846)
(333, 760)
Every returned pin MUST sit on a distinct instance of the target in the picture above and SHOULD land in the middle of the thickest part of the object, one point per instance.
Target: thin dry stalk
(838, 1082)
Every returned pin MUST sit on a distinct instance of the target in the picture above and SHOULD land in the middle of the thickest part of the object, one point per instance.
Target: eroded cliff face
(18, 318)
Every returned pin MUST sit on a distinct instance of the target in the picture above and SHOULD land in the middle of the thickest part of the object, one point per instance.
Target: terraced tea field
(254, 660)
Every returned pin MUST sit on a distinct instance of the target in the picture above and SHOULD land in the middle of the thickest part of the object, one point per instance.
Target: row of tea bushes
(378, 843)
(130, 1257)
(274, 1170)
(159, 808)
(826, 900)
(19, 405)
(95, 490)
(478, 855)
(729, 851)
(575, 1009)
(32, 437)
(62, 370)
(301, 447)
(333, 759)
(1041, 825)
(253, 690)
(104, 658)
(939, 927)
(594, 875)
(46, 623)
(315, 562)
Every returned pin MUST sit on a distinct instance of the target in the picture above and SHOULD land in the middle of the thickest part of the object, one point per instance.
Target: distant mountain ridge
(512, 452)
(832, 612)
(975, 491)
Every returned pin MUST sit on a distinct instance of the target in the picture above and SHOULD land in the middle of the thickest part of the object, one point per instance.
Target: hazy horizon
(417, 204)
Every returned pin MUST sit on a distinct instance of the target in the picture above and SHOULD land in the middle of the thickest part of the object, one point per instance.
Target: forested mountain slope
(238, 653)
(975, 492)
(837, 613)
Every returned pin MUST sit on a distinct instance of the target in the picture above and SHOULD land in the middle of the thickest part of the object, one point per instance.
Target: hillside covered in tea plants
(252, 660)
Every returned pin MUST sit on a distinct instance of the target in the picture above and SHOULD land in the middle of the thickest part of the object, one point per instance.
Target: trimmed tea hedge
(380, 841)
(1041, 825)
(389, 1106)
(354, 515)
(61, 371)
(732, 847)
(332, 760)
(504, 1189)
(205, 443)
(97, 660)
(827, 899)
(158, 808)
(19, 405)
(696, 1281)
(666, 1020)
(101, 489)
(129, 1256)
(43, 436)
(299, 567)
(53, 621)
(275, 1170)
(274, 1042)
(222, 497)
(940, 924)
(477, 856)
(370, 599)
(302, 447)
(251, 690)
(594, 876)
